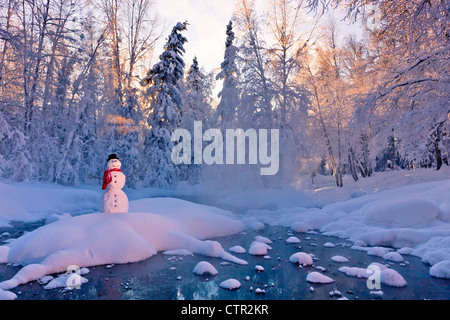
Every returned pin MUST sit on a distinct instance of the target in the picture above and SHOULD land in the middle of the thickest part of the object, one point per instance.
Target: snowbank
(35, 201)
(205, 268)
(98, 238)
(393, 215)
(317, 277)
(268, 199)
(387, 275)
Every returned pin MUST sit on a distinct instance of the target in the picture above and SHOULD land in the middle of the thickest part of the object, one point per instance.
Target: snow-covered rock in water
(401, 213)
(377, 293)
(392, 278)
(317, 277)
(354, 272)
(7, 295)
(204, 267)
(393, 256)
(301, 258)
(230, 284)
(300, 227)
(259, 248)
(329, 245)
(377, 251)
(340, 259)
(386, 275)
(293, 239)
(101, 239)
(263, 239)
(259, 268)
(441, 270)
(237, 249)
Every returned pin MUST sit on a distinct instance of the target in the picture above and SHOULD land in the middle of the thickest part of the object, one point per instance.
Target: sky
(206, 31)
(207, 25)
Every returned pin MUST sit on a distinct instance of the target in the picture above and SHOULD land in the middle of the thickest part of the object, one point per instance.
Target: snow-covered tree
(257, 89)
(286, 52)
(229, 95)
(197, 107)
(166, 103)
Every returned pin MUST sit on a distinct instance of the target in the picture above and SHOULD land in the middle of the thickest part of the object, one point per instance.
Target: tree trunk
(437, 148)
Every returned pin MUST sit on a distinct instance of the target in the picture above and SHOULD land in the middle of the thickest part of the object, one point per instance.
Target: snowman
(114, 199)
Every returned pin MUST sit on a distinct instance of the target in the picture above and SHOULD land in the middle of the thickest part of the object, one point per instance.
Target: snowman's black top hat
(112, 156)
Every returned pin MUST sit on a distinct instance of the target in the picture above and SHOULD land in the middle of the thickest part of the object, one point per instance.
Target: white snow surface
(151, 226)
(317, 277)
(395, 210)
(339, 259)
(205, 268)
(400, 209)
(441, 269)
(388, 276)
(301, 258)
(35, 201)
(230, 284)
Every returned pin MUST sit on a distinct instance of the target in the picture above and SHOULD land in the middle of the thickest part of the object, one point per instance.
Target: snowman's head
(114, 164)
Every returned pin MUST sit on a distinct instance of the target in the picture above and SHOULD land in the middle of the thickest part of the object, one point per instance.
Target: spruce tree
(229, 96)
(166, 102)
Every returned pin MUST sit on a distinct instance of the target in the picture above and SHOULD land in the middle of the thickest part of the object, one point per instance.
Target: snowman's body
(114, 199)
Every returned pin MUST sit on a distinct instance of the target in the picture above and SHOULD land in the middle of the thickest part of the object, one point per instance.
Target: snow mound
(293, 240)
(441, 270)
(237, 249)
(317, 277)
(340, 259)
(301, 258)
(230, 284)
(259, 248)
(393, 256)
(35, 201)
(7, 295)
(100, 239)
(300, 227)
(204, 267)
(329, 245)
(377, 251)
(402, 213)
(263, 239)
(387, 276)
(392, 278)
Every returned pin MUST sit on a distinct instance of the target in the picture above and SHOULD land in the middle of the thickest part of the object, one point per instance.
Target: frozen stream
(170, 277)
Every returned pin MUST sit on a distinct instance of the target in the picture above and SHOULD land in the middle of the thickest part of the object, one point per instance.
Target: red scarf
(107, 177)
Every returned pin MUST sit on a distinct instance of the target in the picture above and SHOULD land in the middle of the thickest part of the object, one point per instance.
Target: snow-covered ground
(390, 214)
